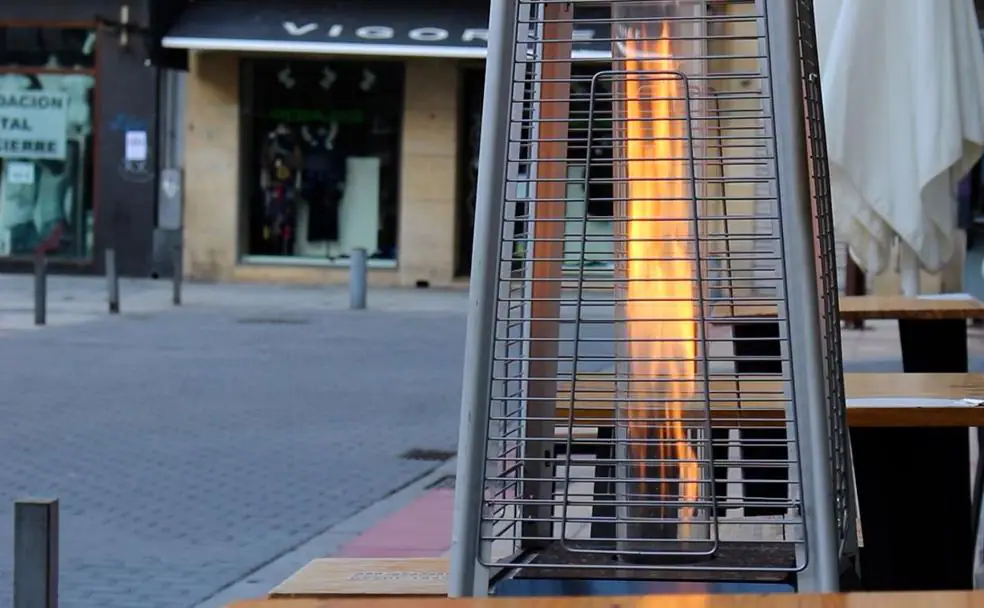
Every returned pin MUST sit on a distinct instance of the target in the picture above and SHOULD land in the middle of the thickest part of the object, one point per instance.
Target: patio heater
(619, 435)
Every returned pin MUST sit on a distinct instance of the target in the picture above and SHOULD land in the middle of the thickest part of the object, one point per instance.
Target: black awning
(422, 28)
(163, 15)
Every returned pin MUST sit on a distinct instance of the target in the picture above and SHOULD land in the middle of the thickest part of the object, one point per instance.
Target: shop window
(36, 47)
(321, 159)
(594, 205)
(46, 141)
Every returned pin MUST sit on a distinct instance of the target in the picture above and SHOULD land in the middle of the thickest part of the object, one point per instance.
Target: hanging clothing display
(323, 180)
(327, 141)
(281, 177)
(903, 88)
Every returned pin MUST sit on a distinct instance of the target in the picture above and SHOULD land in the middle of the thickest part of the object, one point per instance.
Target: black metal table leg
(913, 483)
(757, 351)
(949, 354)
(915, 508)
(603, 507)
(933, 346)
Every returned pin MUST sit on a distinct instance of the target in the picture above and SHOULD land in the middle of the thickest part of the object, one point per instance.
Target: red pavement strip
(421, 529)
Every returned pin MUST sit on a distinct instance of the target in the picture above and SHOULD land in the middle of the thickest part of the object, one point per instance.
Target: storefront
(72, 94)
(313, 129)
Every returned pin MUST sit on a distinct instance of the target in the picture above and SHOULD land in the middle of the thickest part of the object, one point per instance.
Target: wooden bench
(363, 577)
(933, 339)
(892, 445)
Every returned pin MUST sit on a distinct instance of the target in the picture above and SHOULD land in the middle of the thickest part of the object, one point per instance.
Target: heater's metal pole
(466, 578)
(358, 278)
(821, 574)
(112, 282)
(40, 288)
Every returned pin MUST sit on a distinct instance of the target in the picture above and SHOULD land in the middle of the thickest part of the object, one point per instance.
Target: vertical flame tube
(661, 483)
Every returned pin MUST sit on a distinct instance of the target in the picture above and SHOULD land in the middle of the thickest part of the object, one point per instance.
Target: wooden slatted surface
(942, 599)
(423, 576)
(758, 401)
(898, 307)
(859, 308)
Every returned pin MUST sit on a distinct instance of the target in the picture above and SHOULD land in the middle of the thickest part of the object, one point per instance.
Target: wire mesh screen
(827, 265)
(641, 402)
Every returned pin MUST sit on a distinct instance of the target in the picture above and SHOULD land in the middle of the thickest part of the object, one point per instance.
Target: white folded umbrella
(903, 92)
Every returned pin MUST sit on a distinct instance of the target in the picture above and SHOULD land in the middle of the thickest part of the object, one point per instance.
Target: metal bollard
(177, 277)
(112, 282)
(36, 553)
(358, 271)
(40, 289)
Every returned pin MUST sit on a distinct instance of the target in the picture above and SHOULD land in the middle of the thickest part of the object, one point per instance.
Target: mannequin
(324, 180)
(368, 80)
(56, 209)
(16, 198)
(280, 180)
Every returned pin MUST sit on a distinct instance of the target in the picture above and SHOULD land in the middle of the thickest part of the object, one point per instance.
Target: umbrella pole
(908, 271)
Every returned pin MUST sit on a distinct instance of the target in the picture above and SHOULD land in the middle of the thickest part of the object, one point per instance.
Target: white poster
(135, 149)
(20, 173)
(33, 124)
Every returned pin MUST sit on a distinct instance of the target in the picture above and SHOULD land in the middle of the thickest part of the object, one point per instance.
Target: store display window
(320, 166)
(47, 84)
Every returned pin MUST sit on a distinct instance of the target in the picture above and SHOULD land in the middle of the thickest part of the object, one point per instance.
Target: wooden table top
(759, 401)
(859, 308)
(939, 599)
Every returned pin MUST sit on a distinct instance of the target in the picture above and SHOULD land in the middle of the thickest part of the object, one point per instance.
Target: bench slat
(352, 577)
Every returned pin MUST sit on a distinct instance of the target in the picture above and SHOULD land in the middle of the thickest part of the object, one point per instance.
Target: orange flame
(661, 306)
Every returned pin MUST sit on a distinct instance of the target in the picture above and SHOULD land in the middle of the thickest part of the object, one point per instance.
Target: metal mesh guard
(641, 407)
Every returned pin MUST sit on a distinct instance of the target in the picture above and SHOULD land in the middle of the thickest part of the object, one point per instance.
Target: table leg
(948, 355)
(915, 508)
(757, 351)
(603, 507)
(933, 346)
(913, 492)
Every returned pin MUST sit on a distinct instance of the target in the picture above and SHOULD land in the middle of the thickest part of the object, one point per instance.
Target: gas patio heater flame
(661, 482)
(624, 419)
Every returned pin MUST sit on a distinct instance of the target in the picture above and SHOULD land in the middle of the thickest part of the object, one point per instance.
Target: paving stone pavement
(190, 446)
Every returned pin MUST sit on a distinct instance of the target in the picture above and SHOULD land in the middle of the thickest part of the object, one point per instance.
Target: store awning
(418, 28)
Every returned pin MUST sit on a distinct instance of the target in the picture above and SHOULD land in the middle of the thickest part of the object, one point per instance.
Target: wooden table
(758, 400)
(890, 461)
(937, 320)
(757, 403)
(787, 600)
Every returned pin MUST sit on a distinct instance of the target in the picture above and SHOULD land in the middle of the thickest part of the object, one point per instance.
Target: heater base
(734, 562)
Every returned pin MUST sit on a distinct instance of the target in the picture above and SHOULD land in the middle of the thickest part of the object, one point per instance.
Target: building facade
(312, 129)
(78, 131)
